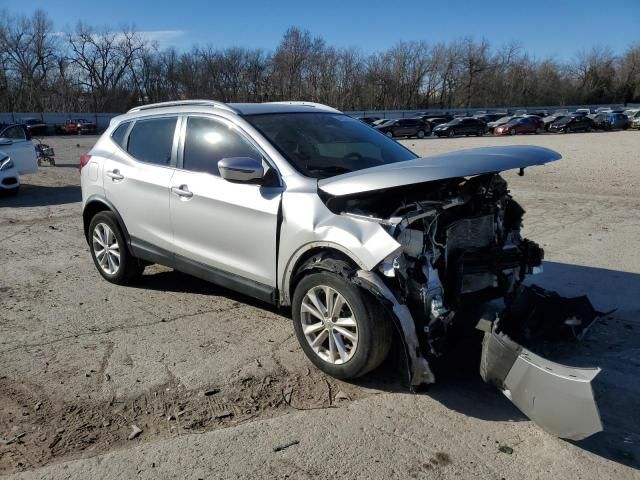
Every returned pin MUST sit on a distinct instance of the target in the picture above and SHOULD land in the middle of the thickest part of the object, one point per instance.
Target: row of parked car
(72, 126)
(520, 122)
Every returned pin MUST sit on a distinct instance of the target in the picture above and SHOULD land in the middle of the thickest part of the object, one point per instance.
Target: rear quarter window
(118, 135)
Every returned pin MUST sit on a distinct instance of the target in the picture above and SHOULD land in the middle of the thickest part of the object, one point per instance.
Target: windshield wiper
(333, 169)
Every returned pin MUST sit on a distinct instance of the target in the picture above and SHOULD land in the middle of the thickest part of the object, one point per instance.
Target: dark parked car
(615, 121)
(528, 124)
(368, 120)
(404, 127)
(460, 126)
(572, 123)
(36, 126)
(552, 118)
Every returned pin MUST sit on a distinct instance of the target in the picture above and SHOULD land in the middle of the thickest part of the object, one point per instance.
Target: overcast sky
(545, 28)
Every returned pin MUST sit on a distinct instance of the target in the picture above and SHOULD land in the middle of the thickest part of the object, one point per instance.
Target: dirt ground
(218, 384)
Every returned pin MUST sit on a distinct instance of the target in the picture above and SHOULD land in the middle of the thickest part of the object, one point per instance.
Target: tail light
(84, 159)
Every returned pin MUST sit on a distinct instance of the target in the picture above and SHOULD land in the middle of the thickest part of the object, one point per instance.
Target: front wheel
(338, 326)
(389, 134)
(512, 131)
(109, 250)
(420, 134)
(479, 133)
(451, 133)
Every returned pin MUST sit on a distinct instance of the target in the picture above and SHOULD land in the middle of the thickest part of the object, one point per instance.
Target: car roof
(285, 107)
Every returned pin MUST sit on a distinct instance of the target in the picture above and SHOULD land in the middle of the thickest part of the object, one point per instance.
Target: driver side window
(207, 141)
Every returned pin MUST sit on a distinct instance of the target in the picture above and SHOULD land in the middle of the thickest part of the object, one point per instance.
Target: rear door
(15, 143)
(137, 176)
(228, 228)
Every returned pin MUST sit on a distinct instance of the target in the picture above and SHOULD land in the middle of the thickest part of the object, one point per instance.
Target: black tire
(129, 267)
(451, 133)
(373, 327)
(421, 134)
(389, 134)
(479, 133)
(513, 132)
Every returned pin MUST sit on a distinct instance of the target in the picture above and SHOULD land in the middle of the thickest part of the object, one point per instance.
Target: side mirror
(6, 141)
(241, 169)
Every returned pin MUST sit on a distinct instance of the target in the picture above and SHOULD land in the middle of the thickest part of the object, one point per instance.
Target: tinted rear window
(151, 140)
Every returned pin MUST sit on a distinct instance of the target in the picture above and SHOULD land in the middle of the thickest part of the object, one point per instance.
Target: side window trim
(174, 144)
(225, 121)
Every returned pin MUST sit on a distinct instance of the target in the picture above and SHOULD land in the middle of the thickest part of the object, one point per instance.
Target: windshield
(455, 121)
(322, 145)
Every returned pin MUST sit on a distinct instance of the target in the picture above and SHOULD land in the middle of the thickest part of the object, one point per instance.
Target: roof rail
(182, 103)
(308, 104)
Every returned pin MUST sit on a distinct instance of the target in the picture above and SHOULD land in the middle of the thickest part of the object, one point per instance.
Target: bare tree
(28, 49)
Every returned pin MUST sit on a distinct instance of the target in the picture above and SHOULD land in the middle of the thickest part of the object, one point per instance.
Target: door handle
(182, 191)
(115, 175)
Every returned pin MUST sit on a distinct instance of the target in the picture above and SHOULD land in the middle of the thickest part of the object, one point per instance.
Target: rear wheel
(420, 134)
(339, 326)
(451, 133)
(109, 250)
(538, 131)
(389, 134)
(479, 133)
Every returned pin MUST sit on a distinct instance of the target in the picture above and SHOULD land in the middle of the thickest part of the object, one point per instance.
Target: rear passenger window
(151, 140)
(119, 133)
(207, 141)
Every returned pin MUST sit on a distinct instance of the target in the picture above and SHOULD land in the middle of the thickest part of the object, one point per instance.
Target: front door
(228, 228)
(14, 142)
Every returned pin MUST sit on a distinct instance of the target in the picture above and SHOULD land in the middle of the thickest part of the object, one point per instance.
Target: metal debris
(135, 431)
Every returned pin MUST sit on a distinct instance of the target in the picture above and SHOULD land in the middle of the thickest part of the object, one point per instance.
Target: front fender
(307, 223)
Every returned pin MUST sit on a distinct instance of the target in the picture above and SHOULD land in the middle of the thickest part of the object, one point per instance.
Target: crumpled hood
(462, 163)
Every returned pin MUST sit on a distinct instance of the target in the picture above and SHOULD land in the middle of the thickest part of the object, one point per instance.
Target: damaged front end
(461, 248)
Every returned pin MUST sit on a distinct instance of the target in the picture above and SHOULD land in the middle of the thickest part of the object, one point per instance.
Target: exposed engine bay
(461, 250)
(460, 238)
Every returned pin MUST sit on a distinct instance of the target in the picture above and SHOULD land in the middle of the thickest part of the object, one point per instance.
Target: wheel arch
(95, 205)
(313, 257)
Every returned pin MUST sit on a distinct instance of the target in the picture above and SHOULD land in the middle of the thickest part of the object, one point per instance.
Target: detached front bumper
(556, 397)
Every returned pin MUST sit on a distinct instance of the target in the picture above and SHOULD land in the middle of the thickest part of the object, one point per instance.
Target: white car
(9, 182)
(15, 142)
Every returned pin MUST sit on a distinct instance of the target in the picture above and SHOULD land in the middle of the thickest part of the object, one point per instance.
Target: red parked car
(530, 124)
(78, 126)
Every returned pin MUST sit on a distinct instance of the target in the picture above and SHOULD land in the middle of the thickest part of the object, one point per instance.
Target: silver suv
(295, 203)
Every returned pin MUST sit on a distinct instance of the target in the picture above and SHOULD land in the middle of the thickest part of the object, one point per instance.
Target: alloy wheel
(329, 325)
(106, 248)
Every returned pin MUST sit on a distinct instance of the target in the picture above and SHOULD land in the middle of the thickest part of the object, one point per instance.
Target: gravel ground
(217, 382)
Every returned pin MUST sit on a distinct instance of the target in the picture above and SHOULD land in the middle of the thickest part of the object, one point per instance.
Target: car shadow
(612, 344)
(41, 195)
(178, 282)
